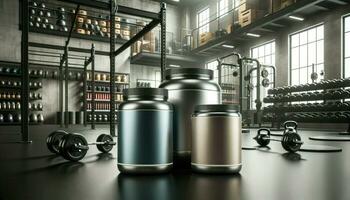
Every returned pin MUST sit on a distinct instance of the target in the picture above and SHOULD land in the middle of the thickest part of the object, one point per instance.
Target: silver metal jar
(216, 139)
(145, 131)
(187, 88)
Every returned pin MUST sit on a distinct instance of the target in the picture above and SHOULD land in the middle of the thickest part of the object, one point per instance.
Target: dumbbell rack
(326, 112)
(102, 96)
(11, 72)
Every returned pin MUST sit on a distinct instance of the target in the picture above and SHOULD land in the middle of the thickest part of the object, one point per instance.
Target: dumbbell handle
(86, 147)
(272, 139)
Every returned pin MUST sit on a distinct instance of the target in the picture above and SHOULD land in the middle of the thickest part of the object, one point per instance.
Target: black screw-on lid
(188, 72)
(146, 92)
(217, 108)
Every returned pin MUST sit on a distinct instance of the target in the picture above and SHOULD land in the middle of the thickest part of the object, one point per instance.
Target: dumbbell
(9, 118)
(74, 147)
(33, 118)
(1, 118)
(290, 141)
(40, 118)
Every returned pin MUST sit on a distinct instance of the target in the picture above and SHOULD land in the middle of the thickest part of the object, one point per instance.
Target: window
(203, 21)
(265, 53)
(306, 54)
(235, 3)
(214, 66)
(222, 7)
(346, 46)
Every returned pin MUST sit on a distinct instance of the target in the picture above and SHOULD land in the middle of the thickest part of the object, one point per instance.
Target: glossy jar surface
(145, 131)
(216, 139)
(188, 87)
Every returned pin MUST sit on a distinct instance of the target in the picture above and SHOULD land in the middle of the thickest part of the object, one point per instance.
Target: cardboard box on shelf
(229, 28)
(249, 16)
(252, 4)
(148, 46)
(275, 5)
(125, 33)
(205, 37)
(286, 3)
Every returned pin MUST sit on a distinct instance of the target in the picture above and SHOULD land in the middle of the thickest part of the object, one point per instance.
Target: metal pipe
(66, 117)
(92, 58)
(113, 8)
(162, 39)
(85, 92)
(72, 26)
(25, 74)
(60, 92)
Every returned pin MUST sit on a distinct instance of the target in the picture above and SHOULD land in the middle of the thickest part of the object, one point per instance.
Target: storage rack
(326, 112)
(157, 18)
(14, 73)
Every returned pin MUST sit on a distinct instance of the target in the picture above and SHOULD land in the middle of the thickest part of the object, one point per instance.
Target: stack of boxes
(250, 10)
(146, 44)
(205, 37)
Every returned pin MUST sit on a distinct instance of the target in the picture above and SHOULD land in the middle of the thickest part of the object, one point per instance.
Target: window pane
(268, 60)
(295, 57)
(295, 40)
(347, 24)
(320, 32)
(295, 77)
(303, 56)
(320, 52)
(255, 53)
(261, 51)
(303, 38)
(311, 53)
(303, 78)
(312, 35)
(273, 47)
(347, 67)
(347, 44)
(268, 48)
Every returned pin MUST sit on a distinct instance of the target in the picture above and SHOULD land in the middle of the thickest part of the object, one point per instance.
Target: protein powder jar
(216, 139)
(145, 131)
(187, 88)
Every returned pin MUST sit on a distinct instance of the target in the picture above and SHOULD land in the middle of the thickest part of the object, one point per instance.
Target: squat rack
(157, 18)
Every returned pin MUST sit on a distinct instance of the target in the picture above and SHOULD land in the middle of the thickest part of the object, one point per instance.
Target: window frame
(343, 43)
(290, 48)
(225, 10)
(205, 24)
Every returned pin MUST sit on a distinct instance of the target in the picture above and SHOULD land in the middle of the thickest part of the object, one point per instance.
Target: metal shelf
(74, 35)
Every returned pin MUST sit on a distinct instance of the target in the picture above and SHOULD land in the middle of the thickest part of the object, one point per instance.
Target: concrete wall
(10, 37)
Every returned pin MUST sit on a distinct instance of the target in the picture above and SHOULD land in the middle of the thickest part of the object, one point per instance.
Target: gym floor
(30, 171)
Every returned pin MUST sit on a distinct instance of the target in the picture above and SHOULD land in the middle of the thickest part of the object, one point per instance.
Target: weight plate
(264, 73)
(104, 148)
(319, 148)
(288, 142)
(265, 82)
(68, 149)
(53, 140)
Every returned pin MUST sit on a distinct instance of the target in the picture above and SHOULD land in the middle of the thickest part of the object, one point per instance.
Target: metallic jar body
(188, 87)
(145, 134)
(216, 141)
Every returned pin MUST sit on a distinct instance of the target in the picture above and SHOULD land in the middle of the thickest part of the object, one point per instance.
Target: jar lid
(188, 71)
(146, 92)
(217, 108)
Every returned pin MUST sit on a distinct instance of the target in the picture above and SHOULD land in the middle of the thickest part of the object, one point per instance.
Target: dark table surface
(30, 171)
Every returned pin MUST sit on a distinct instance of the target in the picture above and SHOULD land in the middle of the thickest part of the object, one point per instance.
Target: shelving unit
(156, 19)
(10, 91)
(101, 97)
(333, 107)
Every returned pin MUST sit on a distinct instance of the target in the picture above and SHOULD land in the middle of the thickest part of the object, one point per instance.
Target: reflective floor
(31, 172)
